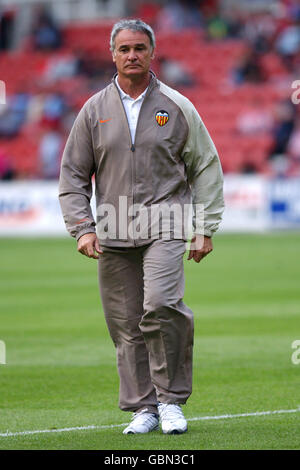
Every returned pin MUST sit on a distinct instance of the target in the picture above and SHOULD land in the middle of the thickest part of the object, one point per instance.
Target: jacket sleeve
(205, 176)
(75, 182)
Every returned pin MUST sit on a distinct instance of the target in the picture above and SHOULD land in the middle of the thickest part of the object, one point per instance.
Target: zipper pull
(132, 148)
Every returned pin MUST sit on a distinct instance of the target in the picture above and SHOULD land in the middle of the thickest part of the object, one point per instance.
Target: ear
(113, 56)
(153, 54)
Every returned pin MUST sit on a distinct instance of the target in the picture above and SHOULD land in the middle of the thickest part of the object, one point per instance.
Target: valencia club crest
(162, 117)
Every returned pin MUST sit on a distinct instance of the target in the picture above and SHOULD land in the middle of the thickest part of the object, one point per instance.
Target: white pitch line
(245, 415)
(109, 426)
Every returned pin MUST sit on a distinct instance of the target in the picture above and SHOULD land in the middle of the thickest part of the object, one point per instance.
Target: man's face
(133, 53)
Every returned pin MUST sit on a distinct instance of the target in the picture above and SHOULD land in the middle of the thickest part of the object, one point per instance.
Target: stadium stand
(222, 88)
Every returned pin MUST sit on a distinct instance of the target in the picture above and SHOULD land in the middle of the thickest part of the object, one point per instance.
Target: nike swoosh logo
(104, 120)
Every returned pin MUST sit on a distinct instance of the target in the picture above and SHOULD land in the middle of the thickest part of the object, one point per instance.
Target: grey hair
(132, 25)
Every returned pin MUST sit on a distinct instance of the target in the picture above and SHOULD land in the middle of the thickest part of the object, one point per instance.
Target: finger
(98, 247)
(192, 244)
(198, 256)
(87, 250)
(91, 252)
(81, 249)
(191, 254)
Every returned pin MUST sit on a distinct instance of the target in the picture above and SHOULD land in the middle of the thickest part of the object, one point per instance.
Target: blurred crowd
(47, 108)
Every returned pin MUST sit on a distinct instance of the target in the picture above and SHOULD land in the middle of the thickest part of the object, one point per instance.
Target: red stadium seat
(218, 103)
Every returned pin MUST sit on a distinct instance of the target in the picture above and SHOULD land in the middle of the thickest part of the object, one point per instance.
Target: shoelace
(171, 412)
(139, 417)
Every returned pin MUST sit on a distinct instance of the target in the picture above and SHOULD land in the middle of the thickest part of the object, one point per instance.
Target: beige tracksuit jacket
(173, 161)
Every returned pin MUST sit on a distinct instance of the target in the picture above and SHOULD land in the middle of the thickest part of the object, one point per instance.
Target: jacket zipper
(133, 150)
(132, 145)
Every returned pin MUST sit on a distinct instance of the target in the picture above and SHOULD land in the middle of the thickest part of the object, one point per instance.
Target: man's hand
(88, 245)
(200, 247)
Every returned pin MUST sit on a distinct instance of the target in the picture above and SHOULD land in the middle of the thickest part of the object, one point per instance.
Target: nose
(132, 55)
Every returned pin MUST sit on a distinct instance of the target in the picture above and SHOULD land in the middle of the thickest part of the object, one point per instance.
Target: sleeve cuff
(206, 232)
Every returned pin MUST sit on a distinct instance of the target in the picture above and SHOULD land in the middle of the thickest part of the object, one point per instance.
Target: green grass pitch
(61, 367)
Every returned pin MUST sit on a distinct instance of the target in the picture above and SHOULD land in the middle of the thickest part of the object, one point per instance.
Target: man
(151, 155)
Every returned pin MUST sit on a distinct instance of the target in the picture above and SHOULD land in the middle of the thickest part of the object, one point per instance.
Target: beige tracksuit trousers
(152, 329)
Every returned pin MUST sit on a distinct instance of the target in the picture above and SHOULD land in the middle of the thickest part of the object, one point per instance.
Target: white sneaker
(172, 419)
(142, 422)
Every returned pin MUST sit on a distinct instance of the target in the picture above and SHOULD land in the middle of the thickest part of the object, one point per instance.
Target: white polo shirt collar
(126, 96)
(132, 108)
